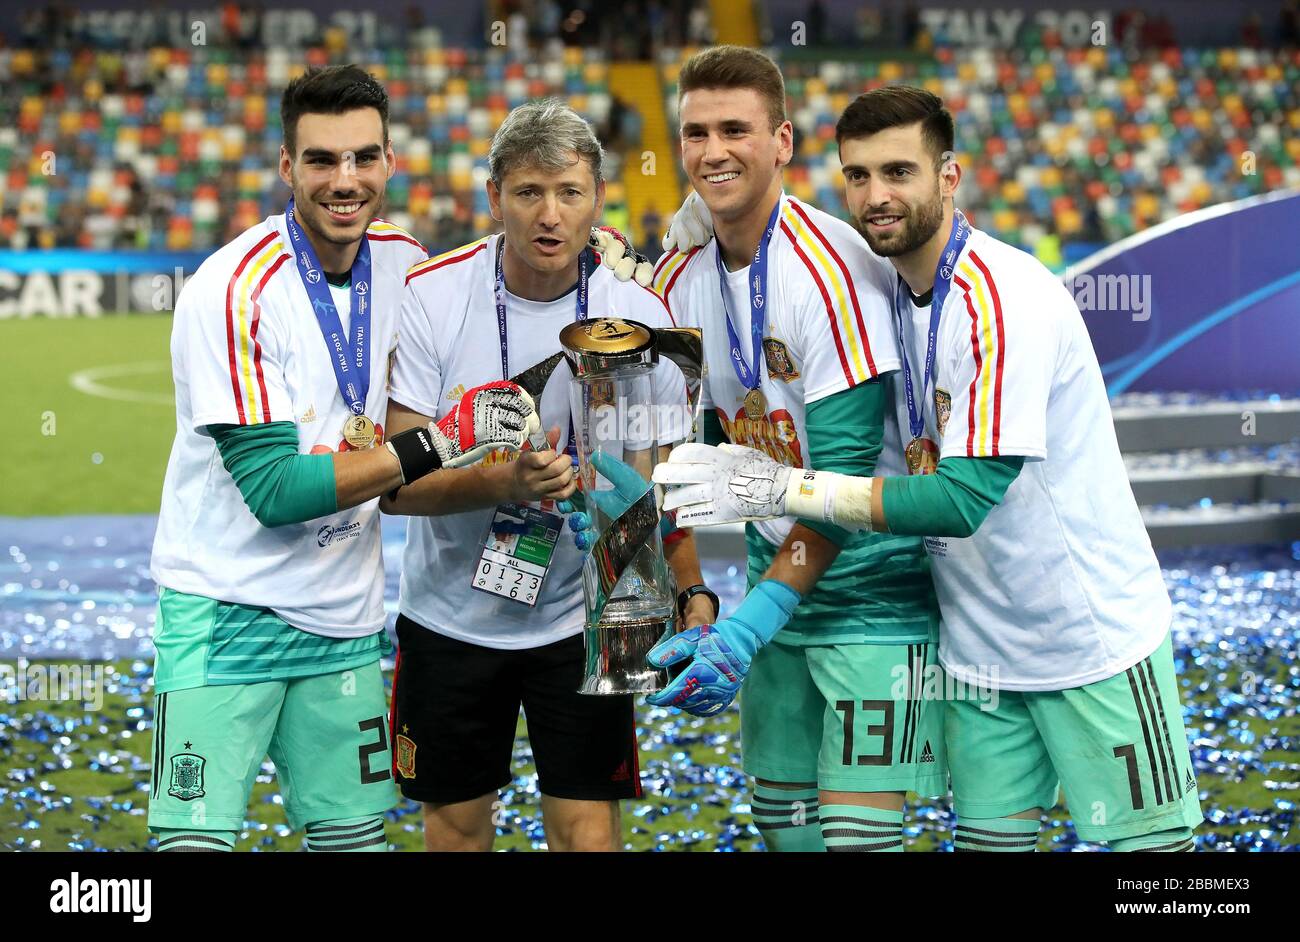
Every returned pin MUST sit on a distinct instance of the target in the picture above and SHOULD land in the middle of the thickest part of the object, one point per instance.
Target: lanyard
(350, 356)
(750, 379)
(499, 296)
(942, 283)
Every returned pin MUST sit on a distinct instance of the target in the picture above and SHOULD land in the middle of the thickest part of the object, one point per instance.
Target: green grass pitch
(94, 419)
(90, 432)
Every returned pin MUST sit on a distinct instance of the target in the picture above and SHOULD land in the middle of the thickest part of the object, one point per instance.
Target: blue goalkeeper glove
(720, 654)
(629, 487)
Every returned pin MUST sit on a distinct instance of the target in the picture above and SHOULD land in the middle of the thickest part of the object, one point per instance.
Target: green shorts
(236, 682)
(201, 642)
(850, 717)
(327, 735)
(1117, 746)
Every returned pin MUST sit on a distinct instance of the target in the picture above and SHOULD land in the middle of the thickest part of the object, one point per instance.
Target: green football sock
(174, 839)
(1174, 840)
(347, 834)
(998, 835)
(787, 818)
(862, 829)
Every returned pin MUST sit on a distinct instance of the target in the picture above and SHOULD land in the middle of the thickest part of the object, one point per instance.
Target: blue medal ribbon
(942, 283)
(750, 379)
(499, 295)
(350, 356)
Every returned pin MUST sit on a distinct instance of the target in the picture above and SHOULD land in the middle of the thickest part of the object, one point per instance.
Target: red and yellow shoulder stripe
(835, 284)
(243, 314)
(447, 258)
(987, 339)
(381, 230)
(669, 268)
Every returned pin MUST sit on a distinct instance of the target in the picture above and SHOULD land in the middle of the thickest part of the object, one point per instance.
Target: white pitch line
(88, 382)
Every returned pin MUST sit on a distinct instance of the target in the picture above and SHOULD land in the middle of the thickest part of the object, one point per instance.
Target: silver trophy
(628, 588)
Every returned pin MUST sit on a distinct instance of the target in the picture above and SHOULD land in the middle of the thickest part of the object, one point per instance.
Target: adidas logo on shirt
(309, 415)
(457, 391)
(926, 754)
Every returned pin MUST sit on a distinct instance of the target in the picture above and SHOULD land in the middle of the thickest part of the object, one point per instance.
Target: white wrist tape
(840, 499)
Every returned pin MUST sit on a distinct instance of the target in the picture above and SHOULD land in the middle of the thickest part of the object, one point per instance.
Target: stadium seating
(187, 157)
(1072, 145)
(176, 147)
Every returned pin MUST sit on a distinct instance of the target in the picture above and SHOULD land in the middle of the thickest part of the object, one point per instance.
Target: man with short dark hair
(270, 618)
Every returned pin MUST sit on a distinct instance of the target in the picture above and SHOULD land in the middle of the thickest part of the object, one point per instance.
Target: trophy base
(616, 652)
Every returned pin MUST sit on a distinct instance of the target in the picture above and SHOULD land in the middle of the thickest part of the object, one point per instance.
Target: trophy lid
(600, 344)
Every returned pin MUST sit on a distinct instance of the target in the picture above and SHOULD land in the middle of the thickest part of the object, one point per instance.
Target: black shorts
(456, 707)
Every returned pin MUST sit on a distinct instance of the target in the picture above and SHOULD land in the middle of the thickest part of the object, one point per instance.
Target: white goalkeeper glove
(691, 226)
(618, 255)
(708, 486)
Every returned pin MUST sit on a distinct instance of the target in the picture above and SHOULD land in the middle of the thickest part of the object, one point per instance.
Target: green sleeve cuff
(712, 428)
(279, 485)
(954, 501)
(844, 435)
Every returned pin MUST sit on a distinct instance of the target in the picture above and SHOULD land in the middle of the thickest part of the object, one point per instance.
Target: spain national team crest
(187, 776)
(404, 758)
(942, 409)
(780, 365)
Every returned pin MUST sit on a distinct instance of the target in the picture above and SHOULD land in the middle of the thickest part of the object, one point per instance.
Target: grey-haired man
(470, 654)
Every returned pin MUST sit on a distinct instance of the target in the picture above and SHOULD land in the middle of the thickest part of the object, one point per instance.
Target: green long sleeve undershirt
(712, 430)
(279, 485)
(844, 434)
(951, 502)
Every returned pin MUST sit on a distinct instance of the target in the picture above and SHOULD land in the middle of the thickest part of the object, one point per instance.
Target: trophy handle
(685, 347)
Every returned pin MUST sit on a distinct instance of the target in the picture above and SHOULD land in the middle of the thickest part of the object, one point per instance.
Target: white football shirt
(451, 343)
(1059, 587)
(246, 350)
(828, 328)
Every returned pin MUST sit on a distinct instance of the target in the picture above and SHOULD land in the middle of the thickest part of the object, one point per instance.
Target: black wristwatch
(686, 594)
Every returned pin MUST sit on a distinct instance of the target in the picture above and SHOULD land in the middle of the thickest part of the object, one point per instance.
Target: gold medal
(755, 405)
(359, 432)
(922, 456)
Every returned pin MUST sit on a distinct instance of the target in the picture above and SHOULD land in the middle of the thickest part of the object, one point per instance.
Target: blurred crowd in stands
(137, 140)
(1072, 145)
(897, 24)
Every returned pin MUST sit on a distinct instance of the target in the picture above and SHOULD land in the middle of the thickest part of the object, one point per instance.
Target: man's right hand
(542, 475)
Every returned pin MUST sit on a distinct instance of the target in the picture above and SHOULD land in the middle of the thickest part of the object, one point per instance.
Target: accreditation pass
(517, 552)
